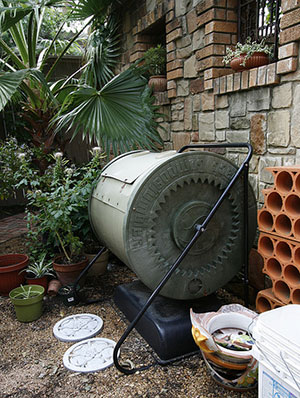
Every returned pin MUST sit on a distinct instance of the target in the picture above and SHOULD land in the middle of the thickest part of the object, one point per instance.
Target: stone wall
(205, 102)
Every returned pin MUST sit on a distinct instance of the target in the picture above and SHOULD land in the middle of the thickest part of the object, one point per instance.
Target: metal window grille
(260, 20)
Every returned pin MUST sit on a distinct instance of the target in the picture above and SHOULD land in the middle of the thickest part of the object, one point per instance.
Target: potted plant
(62, 211)
(10, 267)
(248, 55)
(38, 271)
(28, 302)
(155, 65)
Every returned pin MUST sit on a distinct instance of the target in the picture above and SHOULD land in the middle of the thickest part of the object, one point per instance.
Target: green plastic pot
(28, 309)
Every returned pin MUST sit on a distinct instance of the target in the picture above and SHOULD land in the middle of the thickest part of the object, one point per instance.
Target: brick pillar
(219, 18)
(289, 35)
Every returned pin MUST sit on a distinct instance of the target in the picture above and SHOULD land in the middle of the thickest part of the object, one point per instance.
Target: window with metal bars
(259, 19)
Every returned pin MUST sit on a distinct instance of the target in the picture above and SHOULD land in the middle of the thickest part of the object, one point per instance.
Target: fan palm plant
(100, 106)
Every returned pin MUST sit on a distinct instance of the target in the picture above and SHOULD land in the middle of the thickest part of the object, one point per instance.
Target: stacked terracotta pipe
(279, 240)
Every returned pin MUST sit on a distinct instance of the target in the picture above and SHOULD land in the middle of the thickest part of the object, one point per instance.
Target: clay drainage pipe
(291, 275)
(274, 201)
(283, 225)
(283, 251)
(295, 296)
(265, 220)
(292, 205)
(282, 291)
(284, 181)
(263, 304)
(265, 246)
(273, 268)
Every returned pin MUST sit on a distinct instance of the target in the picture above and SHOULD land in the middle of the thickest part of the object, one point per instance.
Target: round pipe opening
(296, 296)
(297, 256)
(263, 304)
(274, 201)
(282, 291)
(273, 268)
(265, 220)
(283, 251)
(283, 225)
(297, 183)
(292, 205)
(266, 246)
(291, 275)
(284, 181)
(297, 229)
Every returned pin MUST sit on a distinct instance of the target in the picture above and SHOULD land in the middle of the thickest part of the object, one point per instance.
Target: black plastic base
(166, 324)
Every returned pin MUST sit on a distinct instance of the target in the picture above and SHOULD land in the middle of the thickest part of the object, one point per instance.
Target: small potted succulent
(28, 302)
(248, 55)
(38, 271)
(155, 65)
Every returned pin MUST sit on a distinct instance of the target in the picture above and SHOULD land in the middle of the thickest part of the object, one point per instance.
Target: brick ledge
(266, 75)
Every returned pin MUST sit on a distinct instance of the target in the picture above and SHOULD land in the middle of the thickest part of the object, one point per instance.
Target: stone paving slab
(12, 227)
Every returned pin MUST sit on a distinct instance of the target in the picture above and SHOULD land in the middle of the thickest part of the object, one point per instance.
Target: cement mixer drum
(145, 207)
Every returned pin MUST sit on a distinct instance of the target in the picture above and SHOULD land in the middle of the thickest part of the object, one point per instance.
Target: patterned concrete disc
(90, 355)
(78, 327)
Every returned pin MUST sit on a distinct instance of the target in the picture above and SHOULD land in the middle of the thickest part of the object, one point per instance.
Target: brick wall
(205, 101)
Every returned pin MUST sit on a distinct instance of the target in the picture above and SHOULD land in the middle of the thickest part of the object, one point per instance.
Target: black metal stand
(72, 293)
(199, 229)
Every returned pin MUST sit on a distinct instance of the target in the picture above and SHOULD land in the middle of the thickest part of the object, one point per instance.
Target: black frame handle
(200, 228)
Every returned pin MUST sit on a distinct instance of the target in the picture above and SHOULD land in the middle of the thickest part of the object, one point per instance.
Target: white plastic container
(277, 349)
(272, 386)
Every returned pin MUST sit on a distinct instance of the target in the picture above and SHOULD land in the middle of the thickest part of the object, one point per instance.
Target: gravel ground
(31, 357)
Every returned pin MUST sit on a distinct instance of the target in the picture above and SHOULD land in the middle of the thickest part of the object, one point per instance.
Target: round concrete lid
(89, 355)
(77, 327)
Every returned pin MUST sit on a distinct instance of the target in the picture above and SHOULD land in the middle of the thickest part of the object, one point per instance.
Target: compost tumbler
(145, 206)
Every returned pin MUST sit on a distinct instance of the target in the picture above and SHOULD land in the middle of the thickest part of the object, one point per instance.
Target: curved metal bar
(200, 228)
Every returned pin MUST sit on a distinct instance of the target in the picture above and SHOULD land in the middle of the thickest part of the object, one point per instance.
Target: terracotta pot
(53, 287)
(100, 265)
(10, 267)
(158, 83)
(256, 59)
(68, 273)
(42, 281)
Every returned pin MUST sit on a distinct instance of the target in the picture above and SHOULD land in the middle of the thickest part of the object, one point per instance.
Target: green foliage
(247, 49)
(40, 267)
(26, 292)
(12, 167)
(57, 200)
(155, 60)
(107, 108)
(102, 53)
(59, 219)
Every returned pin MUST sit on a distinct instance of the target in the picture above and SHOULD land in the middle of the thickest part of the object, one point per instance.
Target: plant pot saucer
(78, 327)
(90, 355)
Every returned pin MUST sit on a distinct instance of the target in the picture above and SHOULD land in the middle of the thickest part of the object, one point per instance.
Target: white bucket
(277, 348)
(272, 386)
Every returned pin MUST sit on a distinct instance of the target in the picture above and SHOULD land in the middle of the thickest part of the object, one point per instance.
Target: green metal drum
(144, 209)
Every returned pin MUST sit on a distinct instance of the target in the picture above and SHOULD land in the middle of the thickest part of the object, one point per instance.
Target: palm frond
(10, 16)
(10, 83)
(114, 116)
(84, 9)
(102, 53)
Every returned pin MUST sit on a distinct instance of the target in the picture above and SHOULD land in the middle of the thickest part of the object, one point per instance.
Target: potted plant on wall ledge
(248, 55)
(155, 65)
